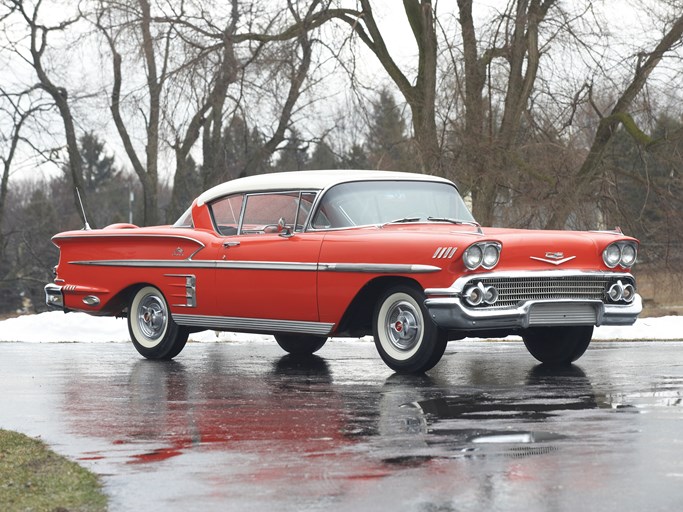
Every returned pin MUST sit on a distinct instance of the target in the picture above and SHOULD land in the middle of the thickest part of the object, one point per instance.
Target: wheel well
(119, 303)
(357, 319)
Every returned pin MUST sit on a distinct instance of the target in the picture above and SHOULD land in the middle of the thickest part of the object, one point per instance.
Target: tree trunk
(587, 174)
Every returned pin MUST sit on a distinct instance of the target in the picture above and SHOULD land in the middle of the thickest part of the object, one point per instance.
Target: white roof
(307, 180)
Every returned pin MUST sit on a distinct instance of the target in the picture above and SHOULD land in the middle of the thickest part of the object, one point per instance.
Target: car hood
(540, 249)
(522, 249)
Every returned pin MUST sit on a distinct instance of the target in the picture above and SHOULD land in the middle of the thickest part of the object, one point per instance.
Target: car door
(268, 266)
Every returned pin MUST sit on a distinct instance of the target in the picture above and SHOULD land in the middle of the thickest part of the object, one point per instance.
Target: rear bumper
(450, 313)
(54, 298)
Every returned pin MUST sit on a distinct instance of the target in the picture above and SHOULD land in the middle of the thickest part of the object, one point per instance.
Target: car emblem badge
(554, 258)
(178, 252)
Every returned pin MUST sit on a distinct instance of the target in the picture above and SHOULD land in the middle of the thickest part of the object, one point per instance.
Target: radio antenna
(80, 201)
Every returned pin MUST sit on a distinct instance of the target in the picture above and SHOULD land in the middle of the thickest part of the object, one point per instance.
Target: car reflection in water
(293, 407)
(321, 432)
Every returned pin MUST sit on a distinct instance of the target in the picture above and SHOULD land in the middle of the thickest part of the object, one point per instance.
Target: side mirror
(282, 228)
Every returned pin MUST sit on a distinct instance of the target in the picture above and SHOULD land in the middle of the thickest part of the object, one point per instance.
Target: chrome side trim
(228, 323)
(444, 252)
(267, 265)
(127, 235)
(189, 286)
(373, 268)
(378, 268)
(223, 264)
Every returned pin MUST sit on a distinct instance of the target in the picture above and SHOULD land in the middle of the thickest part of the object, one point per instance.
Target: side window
(262, 212)
(305, 207)
(226, 214)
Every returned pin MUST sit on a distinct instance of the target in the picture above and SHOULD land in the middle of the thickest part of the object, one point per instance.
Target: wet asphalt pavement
(242, 427)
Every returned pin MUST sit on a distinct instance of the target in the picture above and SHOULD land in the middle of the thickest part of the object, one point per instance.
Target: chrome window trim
(247, 195)
(408, 178)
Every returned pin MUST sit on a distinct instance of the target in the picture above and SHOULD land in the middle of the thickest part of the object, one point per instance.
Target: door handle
(230, 244)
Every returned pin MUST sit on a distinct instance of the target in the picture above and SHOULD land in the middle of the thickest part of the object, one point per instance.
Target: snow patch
(57, 327)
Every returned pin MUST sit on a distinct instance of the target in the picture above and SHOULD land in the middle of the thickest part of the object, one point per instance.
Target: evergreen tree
(323, 158)
(387, 143)
(98, 168)
(356, 158)
(294, 155)
(645, 191)
(239, 144)
(107, 186)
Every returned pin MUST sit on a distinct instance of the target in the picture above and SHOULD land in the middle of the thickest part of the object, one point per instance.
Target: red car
(312, 254)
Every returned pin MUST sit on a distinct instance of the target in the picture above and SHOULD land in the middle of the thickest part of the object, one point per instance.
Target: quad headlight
(623, 254)
(482, 254)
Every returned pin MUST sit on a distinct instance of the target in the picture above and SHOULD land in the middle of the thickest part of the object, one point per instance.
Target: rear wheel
(558, 345)
(300, 344)
(407, 339)
(154, 333)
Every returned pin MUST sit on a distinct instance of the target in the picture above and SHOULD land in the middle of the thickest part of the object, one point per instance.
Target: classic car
(309, 255)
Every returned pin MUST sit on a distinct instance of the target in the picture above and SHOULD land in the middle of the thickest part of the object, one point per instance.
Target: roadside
(661, 292)
(32, 477)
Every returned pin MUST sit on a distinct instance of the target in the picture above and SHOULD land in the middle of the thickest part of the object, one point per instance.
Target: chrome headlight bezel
(623, 254)
(482, 254)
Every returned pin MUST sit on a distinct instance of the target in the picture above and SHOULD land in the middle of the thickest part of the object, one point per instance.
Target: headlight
(628, 255)
(620, 253)
(482, 254)
(491, 255)
(473, 256)
(611, 255)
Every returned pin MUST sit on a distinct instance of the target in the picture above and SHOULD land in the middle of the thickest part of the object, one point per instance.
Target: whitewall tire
(405, 336)
(154, 333)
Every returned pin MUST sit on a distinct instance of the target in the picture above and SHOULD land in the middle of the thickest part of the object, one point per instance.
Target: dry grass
(662, 291)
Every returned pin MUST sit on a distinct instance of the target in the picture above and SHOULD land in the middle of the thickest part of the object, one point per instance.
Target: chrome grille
(513, 290)
(563, 314)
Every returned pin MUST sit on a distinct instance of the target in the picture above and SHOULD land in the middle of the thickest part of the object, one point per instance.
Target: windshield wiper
(455, 221)
(403, 220)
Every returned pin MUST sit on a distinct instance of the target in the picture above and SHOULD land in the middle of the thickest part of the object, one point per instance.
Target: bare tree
(198, 47)
(485, 145)
(122, 23)
(608, 125)
(38, 34)
(420, 95)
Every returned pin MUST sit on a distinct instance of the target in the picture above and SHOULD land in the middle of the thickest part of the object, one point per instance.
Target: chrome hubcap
(403, 326)
(152, 316)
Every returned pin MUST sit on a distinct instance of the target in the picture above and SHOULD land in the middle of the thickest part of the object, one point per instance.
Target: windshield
(378, 202)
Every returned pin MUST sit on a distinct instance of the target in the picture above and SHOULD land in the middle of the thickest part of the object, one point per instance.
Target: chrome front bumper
(450, 313)
(547, 306)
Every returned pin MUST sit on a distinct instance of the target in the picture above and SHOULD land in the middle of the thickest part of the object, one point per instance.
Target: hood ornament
(554, 258)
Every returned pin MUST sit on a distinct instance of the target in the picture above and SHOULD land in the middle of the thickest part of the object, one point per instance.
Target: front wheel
(558, 345)
(154, 333)
(300, 344)
(407, 339)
